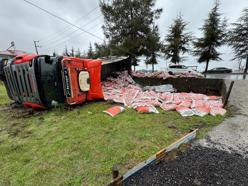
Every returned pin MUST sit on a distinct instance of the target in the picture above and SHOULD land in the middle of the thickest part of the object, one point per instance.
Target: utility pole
(36, 46)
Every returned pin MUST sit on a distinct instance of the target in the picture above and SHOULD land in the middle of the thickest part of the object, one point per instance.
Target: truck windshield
(50, 80)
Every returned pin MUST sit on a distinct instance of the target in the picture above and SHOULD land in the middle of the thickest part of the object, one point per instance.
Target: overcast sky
(23, 23)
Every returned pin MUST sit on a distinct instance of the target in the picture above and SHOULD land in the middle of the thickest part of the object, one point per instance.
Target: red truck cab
(81, 80)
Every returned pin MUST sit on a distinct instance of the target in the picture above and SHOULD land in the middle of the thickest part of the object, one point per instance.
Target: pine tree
(127, 24)
(66, 53)
(177, 41)
(72, 53)
(213, 37)
(90, 53)
(238, 38)
(54, 54)
(152, 60)
(102, 50)
(152, 48)
(78, 53)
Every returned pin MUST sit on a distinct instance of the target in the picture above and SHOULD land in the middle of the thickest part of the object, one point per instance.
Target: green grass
(80, 146)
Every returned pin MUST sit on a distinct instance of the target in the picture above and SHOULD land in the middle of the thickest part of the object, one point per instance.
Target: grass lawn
(80, 146)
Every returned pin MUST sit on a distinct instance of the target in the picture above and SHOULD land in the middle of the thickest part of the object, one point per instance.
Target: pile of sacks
(124, 90)
(163, 75)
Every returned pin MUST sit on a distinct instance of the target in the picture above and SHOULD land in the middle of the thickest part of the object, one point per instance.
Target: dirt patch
(15, 115)
(197, 166)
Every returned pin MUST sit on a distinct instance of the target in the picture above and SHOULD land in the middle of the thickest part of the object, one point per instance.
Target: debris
(113, 111)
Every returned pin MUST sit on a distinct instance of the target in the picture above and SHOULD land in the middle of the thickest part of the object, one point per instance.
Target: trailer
(42, 81)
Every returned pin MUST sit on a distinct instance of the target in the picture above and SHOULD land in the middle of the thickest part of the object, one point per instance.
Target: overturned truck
(42, 81)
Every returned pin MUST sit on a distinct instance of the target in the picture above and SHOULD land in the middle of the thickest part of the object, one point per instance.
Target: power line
(67, 28)
(62, 19)
(66, 39)
(70, 33)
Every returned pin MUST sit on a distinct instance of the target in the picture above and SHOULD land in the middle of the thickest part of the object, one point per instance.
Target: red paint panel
(24, 58)
(33, 105)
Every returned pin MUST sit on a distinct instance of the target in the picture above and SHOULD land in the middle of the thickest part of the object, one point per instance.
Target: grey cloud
(23, 23)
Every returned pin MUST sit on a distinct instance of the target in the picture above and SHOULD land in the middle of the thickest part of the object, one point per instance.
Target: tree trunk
(134, 68)
(152, 67)
(206, 69)
(246, 68)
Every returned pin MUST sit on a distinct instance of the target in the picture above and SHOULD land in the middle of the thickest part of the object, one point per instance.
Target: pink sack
(167, 107)
(215, 103)
(146, 109)
(201, 111)
(217, 111)
(197, 103)
(113, 111)
(185, 103)
(185, 111)
(213, 97)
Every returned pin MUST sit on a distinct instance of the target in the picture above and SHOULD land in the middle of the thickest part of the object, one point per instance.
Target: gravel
(197, 166)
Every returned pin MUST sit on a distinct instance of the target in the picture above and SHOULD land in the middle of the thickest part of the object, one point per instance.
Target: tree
(72, 53)
(152, 60)
(213, 37)
(90, 53)
(78, 53)
(66, 53)
(238, 38)
(153, 46)
(55, 54)
(176, 41)
(127, 24)
(102, 50)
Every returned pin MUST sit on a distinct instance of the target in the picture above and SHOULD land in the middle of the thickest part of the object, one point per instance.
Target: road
(232, 134)
(227, 76)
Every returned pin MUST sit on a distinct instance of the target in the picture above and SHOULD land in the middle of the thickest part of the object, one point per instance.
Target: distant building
(8, 54)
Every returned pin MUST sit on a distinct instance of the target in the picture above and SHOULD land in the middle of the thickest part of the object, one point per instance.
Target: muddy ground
(221, 158)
